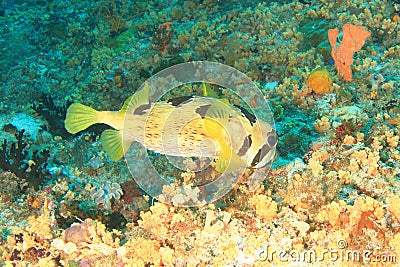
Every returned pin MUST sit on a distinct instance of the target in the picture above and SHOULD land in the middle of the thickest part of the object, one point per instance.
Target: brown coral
(78, 233)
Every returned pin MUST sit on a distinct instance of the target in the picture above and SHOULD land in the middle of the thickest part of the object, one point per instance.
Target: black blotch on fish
(202, 110)
(256, 159)
(179, 101)
(140, 110)
(260, 155)
(250, 117)
(246, 145)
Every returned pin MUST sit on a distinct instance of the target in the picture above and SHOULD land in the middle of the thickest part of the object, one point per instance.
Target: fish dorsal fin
(208, 91)
(126, 105)
(112, 143)
(139, 98)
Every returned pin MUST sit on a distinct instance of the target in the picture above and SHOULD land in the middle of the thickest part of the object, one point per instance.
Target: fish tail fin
(113, 145)
(79, 117)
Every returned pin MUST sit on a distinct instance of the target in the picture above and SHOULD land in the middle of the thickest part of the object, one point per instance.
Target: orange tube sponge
(353, 39)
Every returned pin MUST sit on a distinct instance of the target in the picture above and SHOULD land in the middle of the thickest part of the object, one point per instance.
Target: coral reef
(29, 166)
(53, 114)
(105, 193)
(162, 38)
(333, 191)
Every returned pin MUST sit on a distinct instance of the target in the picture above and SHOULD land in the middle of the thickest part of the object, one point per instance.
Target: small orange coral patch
(319, 81)
(394, 121)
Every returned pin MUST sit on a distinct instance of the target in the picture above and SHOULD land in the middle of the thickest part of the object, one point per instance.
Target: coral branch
(162, 38)
(114, 13)
(16, 159)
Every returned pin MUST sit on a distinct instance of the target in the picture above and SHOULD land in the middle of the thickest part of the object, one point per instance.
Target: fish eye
(272, 140)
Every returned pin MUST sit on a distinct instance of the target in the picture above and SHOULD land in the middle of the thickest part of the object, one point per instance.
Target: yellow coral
(212, 225)
(167, 256)
(265, 207)
(344, 176)
(349, 140)
(395, 243)
(144, 251)
(315, 166)
(40, 226)
(376, 144)
(392, 205)
(46, 262)
(67, 248)
(322, 125)
(360, 137)
(155, 220)
(360, 156)
(368, 159)
(393, 141)
(330, 213)
(366, 204)
(353, 167)
(230, 250)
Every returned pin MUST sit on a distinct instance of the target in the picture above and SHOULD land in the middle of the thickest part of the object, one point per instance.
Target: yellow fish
(186, 126)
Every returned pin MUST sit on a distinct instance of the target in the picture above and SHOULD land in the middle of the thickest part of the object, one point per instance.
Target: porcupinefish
(189, 126)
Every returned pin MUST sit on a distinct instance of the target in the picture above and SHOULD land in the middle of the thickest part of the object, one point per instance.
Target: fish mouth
(266, 154)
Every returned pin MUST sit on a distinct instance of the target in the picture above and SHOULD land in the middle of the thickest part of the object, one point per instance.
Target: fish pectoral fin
(214, 128)
(228, 161)
(79, 117)
(216, 117)
(139, 98)
(111, 141)
(219, 110)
